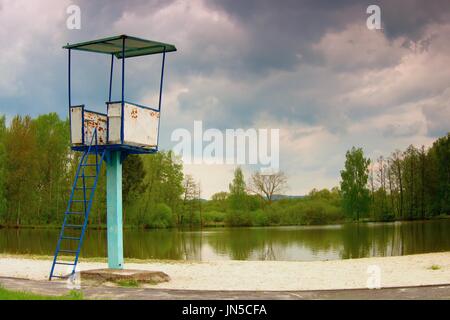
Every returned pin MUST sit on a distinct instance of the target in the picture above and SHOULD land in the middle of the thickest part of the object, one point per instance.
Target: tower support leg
(114, 209)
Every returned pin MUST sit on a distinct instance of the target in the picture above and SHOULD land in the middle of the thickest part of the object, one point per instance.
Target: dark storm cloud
(280, 35)
(286, 24)
(409, 17)
(400, 17)
(281, 31)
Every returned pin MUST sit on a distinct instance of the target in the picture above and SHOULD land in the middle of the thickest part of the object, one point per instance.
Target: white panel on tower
(140, 126)
(76, 125)
(115, 122)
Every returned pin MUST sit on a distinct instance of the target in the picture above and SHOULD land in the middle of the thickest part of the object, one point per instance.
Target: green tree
(2, 169)
(22, 170)
(52, 137)
(133, 177)
(237, 188)
(132, 180)
(411, 180)
(355, 194)
(162, 183)
(218, 202)
(160, 217)
(397, 183)
(438, 176)
(189, 205)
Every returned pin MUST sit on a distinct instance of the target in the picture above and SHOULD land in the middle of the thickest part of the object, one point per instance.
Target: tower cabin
(125, 126)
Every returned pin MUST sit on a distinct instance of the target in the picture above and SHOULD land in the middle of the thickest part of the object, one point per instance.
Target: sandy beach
(412, 270)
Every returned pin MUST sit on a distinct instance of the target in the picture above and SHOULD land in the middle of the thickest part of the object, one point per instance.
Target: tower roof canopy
(134, 46)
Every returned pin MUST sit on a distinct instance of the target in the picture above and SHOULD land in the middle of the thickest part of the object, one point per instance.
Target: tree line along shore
(37, 169)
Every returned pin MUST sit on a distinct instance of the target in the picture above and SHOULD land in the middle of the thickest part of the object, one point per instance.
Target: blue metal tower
(126, 128)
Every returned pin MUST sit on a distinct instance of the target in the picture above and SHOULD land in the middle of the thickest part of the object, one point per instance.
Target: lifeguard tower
(125, 128)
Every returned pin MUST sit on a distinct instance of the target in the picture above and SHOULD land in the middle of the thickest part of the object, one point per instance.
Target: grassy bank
(257, 218)
(6, 294)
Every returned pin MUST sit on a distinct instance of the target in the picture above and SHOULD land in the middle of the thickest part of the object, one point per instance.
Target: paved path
(105, 292)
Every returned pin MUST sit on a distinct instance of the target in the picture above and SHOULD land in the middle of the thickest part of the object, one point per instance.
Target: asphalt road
(434, 292)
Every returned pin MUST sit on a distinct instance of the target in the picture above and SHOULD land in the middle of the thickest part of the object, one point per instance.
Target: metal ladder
(76, 216)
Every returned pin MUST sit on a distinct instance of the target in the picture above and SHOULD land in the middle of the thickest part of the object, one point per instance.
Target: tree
(411, 180)
(219, 201)
(355, 194)
(397, 177)
(172, 179)
(162, 183)
(133, 176)
(190, 193)
(22, 170)
(391, 185)
(237, 190)
(381, 206)
(52, 137)
(199, 202)
(2, 168)
(372, 189)
(422, 165)
(266, 185)
(220, 196)
(132, 180)
(438, 192)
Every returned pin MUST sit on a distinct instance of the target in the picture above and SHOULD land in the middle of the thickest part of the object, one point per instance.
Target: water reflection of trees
(290, 243)
(350, 241)
(269, 243)
(152, 244)
(163, 244)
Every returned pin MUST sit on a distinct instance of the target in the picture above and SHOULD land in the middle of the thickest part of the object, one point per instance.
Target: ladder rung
(65, 263)
(81, 188)
(89, 165)
(62, 277)
(80, 200)
(70, 238)
(67, 251)
(74, 226)
(87, 176)
(74, 212)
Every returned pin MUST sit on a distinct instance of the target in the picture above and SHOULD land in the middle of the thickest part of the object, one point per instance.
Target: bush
(310, 211)
(159, 217)
(260, 218)
(213, 216)
(238, 218)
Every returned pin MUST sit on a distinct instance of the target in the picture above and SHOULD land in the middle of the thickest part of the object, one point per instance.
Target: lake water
(265, 243)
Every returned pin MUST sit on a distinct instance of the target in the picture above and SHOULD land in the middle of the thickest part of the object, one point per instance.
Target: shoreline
(220, 225)
(399, 271)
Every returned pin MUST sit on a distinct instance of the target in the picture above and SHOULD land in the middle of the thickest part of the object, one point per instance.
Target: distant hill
(276, 197)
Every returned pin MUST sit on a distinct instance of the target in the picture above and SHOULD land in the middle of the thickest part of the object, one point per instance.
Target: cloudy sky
(310, 68)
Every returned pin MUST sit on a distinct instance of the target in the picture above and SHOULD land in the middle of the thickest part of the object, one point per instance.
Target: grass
(435, 267)
(6, 294)
(128, 283)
